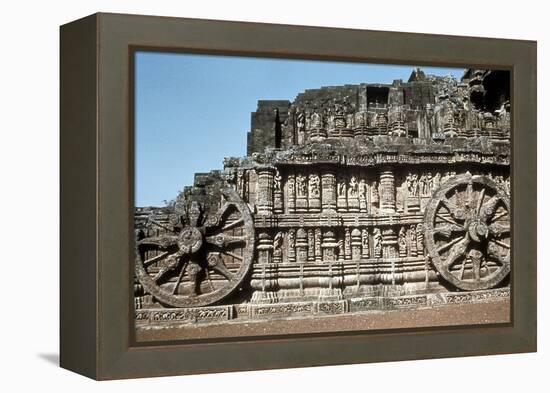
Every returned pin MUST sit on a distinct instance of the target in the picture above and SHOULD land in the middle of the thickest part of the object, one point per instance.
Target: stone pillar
(301, 245)
(420, 239)
(363, 188)
(402, 243)
(413, 247)
(329, 246)
(241, 178)
(265, 191)
(277, 193)
(389, 243)
(347, 244)
(265, 247)
(310, 245)
(314, 201)
(353, 195)
(342, 202)
(361, 123)
(318, 250)
(356, 244)
(411, 192)
(341, 251)
(291, 193)
(377, 240)
(375, 196)
(278, 248)
(316, 131)
(328, 183)
(301, 193)
(291, 245)
(365, 250)
(387, 192)
(291, 127)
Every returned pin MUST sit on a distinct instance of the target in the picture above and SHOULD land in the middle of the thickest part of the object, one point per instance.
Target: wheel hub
(478, 230)
(190, 240)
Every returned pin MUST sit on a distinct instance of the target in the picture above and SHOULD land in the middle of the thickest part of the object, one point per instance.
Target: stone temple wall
(350, 198)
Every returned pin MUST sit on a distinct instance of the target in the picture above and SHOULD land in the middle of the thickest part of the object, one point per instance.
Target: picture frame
(97, 167)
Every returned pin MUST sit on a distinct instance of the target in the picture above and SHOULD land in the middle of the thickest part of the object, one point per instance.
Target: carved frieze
(373, 198)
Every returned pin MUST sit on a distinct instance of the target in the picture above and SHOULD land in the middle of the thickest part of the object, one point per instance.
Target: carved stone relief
(372, 193)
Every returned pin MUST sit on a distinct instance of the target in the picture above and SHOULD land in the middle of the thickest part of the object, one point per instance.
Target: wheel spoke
(447, 245)
(476, 267)
(164, 242)
(174, 260)
(503, 261)
(156, 258)
(470, 194)
(228, 253)
(447, 230)
(480, 201)
(180, 276)
(499, 229)
(222, 240)
(449, 205)
(233, 224)
(501, 243)
(223, 270)
(450, 221)
(462, 268)
(194, 277)
(487, 268)
(220, 214)
(456, 251)
(207, 273)
(499, 215)
(489, 208)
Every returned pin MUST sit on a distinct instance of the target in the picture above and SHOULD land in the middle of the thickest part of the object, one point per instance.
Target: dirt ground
(494, 312)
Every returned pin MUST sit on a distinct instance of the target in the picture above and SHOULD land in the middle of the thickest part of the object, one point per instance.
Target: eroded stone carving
(194, 250)
(467, 232)
(369, 188)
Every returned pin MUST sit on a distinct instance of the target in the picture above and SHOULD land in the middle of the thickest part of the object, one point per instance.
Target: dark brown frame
(97, 190)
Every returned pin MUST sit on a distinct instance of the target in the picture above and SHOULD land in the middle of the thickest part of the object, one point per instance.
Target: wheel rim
(203, 262)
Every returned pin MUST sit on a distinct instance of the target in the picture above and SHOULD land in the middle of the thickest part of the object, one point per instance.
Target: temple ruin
(350, 199)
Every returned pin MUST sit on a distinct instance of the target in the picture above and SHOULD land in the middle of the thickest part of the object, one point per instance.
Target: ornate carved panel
(376, 197)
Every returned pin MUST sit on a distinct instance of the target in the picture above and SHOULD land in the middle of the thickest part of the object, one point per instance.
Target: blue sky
(194, 110)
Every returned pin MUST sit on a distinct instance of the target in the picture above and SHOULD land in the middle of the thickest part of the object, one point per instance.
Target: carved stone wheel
(467, 232)
(201, 260)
